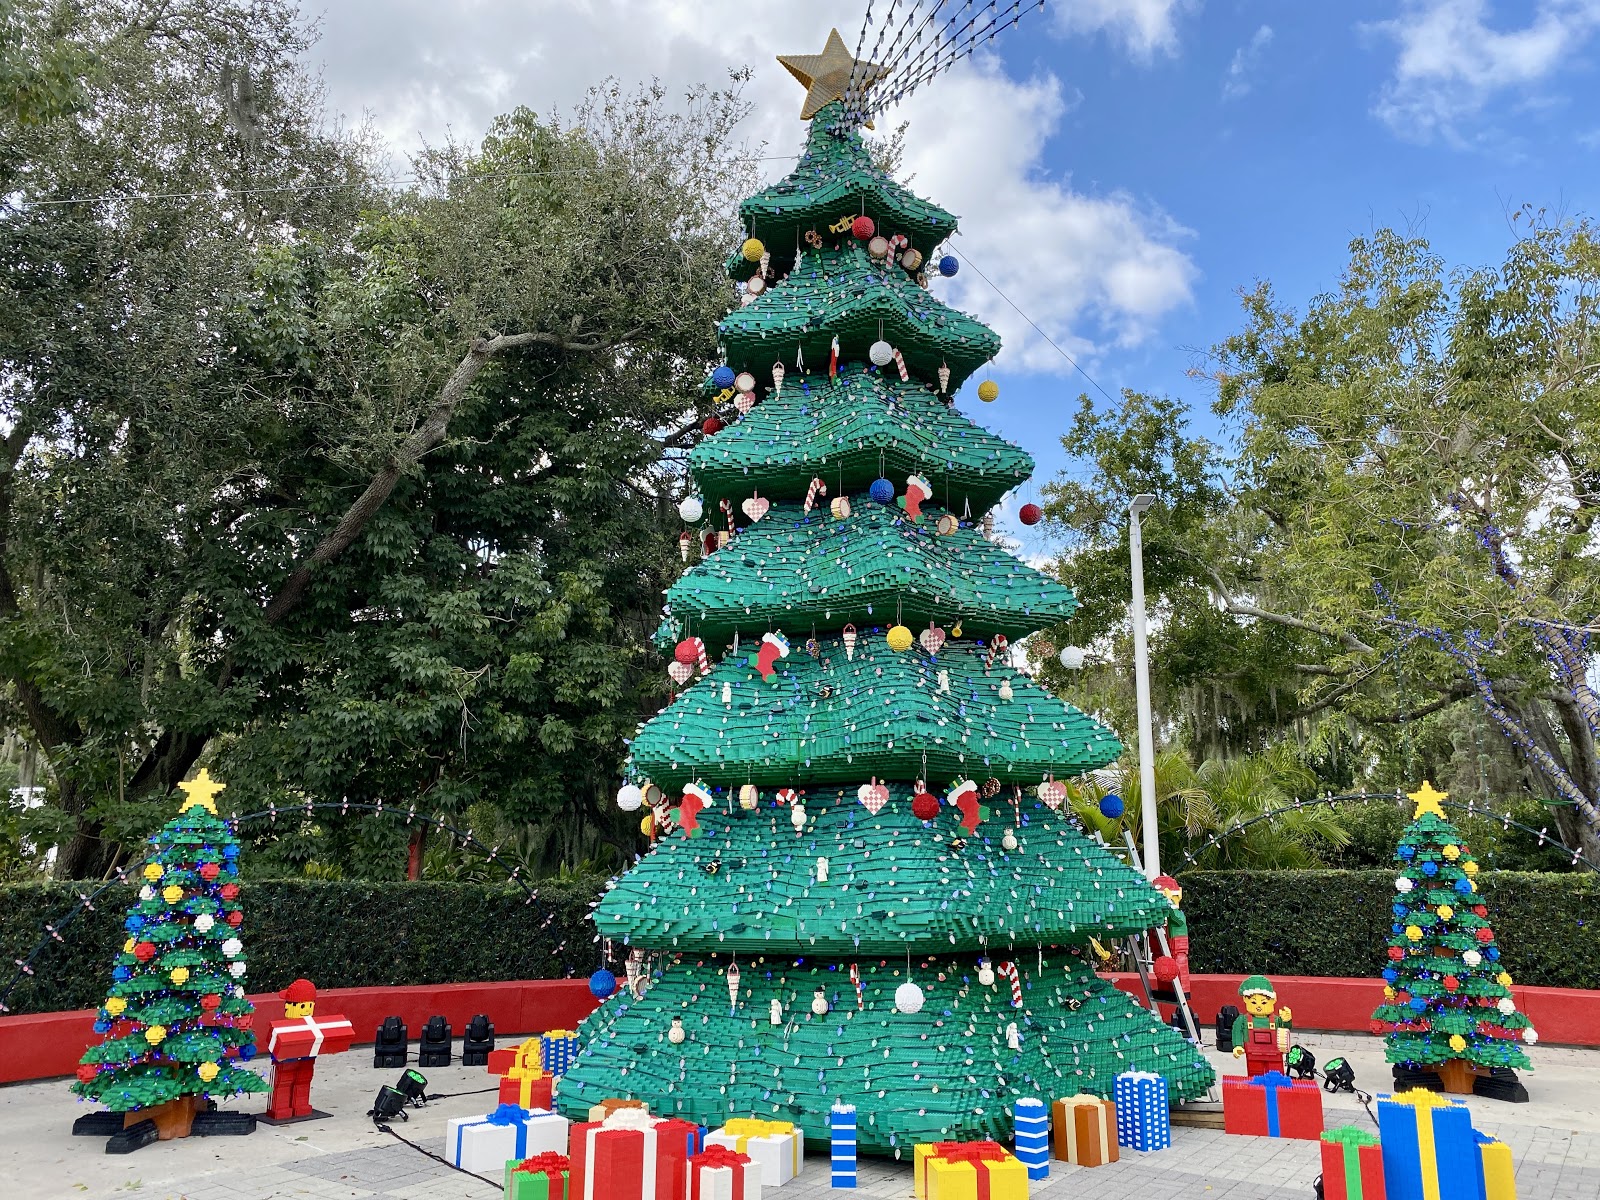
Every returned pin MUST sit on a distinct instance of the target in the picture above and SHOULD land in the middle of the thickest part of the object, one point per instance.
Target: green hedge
(336, 934)
(1337, 923)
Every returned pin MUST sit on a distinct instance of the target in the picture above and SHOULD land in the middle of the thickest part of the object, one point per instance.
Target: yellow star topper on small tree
(1427, 801)
(201, 790)
(830, 75)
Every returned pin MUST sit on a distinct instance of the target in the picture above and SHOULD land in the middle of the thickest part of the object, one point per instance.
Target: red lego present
(1272, 1105)
(502, 1060)
(524, 1089)
(1352, 1165)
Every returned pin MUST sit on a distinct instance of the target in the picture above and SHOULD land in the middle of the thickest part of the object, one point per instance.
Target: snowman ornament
(819, 1002)
(675, 1035)
(985, 972)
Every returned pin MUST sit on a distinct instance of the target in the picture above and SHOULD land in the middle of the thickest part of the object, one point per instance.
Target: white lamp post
(1141, 679)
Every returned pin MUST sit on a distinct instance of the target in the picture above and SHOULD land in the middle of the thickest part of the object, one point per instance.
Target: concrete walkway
(1555, 1140)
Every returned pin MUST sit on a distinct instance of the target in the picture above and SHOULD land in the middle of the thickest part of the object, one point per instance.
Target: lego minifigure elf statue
(1176, 965)
(1259, 1037)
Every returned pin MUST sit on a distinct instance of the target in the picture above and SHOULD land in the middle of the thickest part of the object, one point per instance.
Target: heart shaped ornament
(1052, 793)
(756, 507)
(744, 402)
(680, 672)
(873, 796)
(931, 638)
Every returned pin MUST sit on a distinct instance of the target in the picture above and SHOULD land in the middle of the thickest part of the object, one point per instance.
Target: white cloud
(1237, 83)
(1090, 269)
(1142, 26)
(1451, 63)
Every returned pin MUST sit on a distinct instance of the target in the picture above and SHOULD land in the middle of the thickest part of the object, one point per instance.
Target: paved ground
(1555, 1141)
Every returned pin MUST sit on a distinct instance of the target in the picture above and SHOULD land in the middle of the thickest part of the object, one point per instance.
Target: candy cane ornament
(727, 509)
(900, 365)
(1008, 970)
(817, 488)
(855, 978)
(700, 659)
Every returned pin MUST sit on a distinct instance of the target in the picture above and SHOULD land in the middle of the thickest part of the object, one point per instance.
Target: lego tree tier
(835, 717)
(835, 180)
(798, 571)
(747, 881)
(848, 432)
(844, 294)
(946, 1072)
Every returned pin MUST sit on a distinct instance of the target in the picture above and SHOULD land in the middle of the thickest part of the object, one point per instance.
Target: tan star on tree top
(1427, 801)
(201, 790)
(826, 76)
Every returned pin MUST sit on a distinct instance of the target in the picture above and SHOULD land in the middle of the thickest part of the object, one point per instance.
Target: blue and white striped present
(1033, 1136)
(842, 1126)
(1144, 1121)
(558, 1050)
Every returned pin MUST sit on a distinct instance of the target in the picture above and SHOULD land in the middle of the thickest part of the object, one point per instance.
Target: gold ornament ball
(1470, 868)
(180, 974)
(1445, 912)
(752, 249)
(1388, 992)
(127, 946)
(1457, 1043)
(172, 893)
(116, 1006)
(899, 638)
(1452, 852)
(647, 825)
(1414, 933)
(152, 871)
(208, 1071)
(156, 1034)
(1503, 979)
(988, 391)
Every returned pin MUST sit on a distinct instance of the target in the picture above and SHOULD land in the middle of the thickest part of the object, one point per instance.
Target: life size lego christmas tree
(176, 1007)
(871, 890)
(1447, 996)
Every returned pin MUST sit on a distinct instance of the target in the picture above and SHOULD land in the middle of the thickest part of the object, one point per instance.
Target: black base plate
(98, 1124)
(135, 1137)
(1501, 1083)
(222, 1124)
(316, 1114)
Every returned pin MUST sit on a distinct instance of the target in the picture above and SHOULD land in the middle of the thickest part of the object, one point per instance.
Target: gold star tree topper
(828, 76)
(1427, 801)
(201, 790)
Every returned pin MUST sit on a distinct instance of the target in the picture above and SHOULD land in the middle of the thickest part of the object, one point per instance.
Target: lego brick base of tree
(946, 1072)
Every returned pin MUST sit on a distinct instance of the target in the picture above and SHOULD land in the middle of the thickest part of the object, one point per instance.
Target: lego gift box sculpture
(774, 1144)
(485, 1144)
(1144, 1121)
(631, 1155)
(1272, 1105)
(968, 1170)
(1084, 1130)
(1352, 1165)
(543, 1177)
(717, 1173)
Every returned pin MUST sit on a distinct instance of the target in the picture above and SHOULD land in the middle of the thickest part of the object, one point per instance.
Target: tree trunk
(174, 1119)
(414, 853)
(85, 854)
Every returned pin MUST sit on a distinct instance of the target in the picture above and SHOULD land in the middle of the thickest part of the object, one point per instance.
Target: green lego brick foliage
(747, 881)
(835, 178)
(943, 1073)
(850, 430)
(843, 293)
(796, 572)
(838, 716)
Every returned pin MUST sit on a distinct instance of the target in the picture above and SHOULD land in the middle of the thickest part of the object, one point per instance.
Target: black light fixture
(1226, 1016)
(433, 1047)
(390, 1047)
(477, 1040)
(389, 1105)
(1338, 1076)
(1300, 1063)
(412, 1086)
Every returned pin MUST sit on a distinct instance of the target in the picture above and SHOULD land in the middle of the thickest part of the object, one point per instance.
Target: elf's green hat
(1257, 985)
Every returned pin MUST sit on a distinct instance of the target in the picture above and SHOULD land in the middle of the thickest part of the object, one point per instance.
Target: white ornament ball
(691, 510)
(1529, 1035)
(232, 947)
(236, 970)
(238, 992)
(1507, 1006)
(1472, 958)
(675, 1035)
(147, 892)
(204, 922)
(908, 998)
(881, 353)
(630, 797)
(1073, 657)
(1402, 884)
(1009, 841)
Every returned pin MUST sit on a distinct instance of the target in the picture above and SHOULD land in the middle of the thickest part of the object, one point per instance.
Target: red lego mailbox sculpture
(295, 1044)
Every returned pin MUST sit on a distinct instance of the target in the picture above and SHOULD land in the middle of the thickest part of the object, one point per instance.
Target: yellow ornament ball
(1445, 912)
(899, 638)
(1388, 992)
(1452, 852)
(752, 249)
(172, 893)
(1503, 979)
(647, 825)
(156, 1034)
(1457, 1043)
(180, 974)
(208, 1071)
(1414, 933)
(988, 391)
(127, 946)
(1471, 868)
(116, 1006)
(152, 871)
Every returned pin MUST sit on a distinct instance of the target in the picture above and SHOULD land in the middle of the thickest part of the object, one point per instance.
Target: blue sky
(1121, 167)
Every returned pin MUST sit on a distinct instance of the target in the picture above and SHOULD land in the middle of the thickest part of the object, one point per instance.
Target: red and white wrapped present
(632, 1156)
(307, 1037)
(717, 1173)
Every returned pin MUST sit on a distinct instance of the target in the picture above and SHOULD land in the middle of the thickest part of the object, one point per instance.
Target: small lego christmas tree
(1447, 1000)
(175, 1016)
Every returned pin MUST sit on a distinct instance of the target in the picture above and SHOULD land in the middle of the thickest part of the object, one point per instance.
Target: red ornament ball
(144, 951)
(86, 1072)
(1029, 514)
(230, 891)
(209, 871)
(1396, 953)
(235, 918)
(210, 1001)
(686, 653)
(1451, 983)
(711, 425)
(1479, 910)
(1378, 1027)
(1166, 969)
(1486, 935)
(924, 807)
(863, 227)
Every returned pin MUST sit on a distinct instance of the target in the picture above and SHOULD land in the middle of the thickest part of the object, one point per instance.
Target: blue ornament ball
(1418, 1004)
(602, 983)
(1390, 975)
(102, 1026)
(1400, 910)
(948, 265)
(1406, 852)
(1430, 868)
(134, 923)
(1464, 886)
(247, 1052)
(1397, 928)
(121, 974)
(882, 491)
(723, 376)
(230, 852)
(1492, 954)
(1111, 806)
